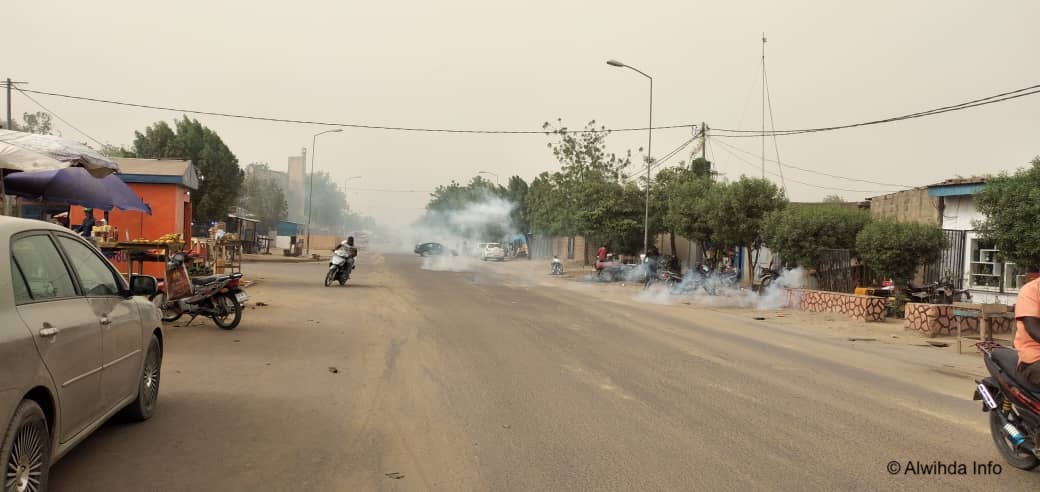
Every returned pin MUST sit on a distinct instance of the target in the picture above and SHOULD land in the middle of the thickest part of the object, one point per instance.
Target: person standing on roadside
(87, 228)
(601, 254)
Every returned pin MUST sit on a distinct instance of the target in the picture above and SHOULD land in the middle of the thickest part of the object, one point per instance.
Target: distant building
(296, 190)
(280, 178)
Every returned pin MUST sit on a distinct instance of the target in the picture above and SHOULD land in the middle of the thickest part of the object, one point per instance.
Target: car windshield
(781, 230)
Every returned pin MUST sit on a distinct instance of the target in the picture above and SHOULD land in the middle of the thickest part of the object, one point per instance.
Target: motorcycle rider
(350, 249)
(1027, 337)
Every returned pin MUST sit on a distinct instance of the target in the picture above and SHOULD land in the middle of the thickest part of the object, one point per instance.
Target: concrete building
(968, 261)
(296, 192)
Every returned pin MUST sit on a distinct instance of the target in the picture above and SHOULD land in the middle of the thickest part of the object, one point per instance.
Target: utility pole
(9, 125)
(763, 105)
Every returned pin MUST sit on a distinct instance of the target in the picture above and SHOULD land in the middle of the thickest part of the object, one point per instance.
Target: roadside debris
(859, 339)
(261, 304)
(333, 369)
(506, 426)
(395, 475)
(936, 343)
(758, 318)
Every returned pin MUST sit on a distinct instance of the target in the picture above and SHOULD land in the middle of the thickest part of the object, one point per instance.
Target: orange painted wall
(171, 212)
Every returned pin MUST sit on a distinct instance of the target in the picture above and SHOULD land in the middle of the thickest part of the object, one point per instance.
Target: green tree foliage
(116, 151)
(263, 197)
(798, 234)
(38, 122)
(516, 192)
(1011, 204)
(833, 199)
(588, 195)
(220, 178)
(479, 210)
(897, 249)
(734, 212)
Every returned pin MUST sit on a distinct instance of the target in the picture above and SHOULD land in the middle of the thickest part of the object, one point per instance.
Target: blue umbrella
(75, 186)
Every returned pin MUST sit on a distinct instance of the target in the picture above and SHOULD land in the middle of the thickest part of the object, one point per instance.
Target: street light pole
(649, 146)
(310, 186)
(491, 173)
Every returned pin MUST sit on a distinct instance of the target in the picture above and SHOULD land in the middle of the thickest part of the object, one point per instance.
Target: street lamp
(649, 143)
(491, 173)
(310, 186)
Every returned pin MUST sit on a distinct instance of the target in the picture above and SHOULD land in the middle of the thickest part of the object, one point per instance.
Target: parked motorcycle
(340, 266)
(557, 266)
(936, 293)
(218, 297)
(1013, 404)
(767, 277)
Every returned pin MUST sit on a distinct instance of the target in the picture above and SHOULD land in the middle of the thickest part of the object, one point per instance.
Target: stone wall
(932, 320)
(906, 206)
(863, 308)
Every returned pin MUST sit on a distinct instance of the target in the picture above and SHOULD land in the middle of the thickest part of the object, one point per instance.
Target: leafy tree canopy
(897, 249)
(1011, 205)
(220, 178)
(798, 234)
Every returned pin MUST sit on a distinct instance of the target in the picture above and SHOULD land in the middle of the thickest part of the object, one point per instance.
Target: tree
(263, 197)
(516, 191)
(799, 234)
(734, 211)
(833, 199)
(327, 201)
(1011, 205)
(38, 122)
(897, 249)
(220, 178)
(480, 210)
(116, 151)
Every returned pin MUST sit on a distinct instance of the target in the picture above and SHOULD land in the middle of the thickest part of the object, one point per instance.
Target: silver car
(77, 345)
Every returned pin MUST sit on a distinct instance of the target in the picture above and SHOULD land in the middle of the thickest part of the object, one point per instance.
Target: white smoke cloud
(715, 291)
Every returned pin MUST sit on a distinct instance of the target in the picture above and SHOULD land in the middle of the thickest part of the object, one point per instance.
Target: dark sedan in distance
(433, 249)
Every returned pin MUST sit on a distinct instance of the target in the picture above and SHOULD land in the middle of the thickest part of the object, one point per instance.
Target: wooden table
(139, 253)
(984, 313)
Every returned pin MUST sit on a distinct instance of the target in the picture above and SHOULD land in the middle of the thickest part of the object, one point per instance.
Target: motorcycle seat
(207, 279)
(1007, 359)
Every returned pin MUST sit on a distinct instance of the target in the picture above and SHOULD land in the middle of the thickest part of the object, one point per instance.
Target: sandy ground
(453, 374)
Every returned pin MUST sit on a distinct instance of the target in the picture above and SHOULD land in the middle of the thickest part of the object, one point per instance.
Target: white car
(492, 251)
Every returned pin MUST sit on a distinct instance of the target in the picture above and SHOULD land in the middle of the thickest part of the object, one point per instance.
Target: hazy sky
(513, 65)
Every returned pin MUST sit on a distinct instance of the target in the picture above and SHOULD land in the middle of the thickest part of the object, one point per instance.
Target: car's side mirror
(143, 285)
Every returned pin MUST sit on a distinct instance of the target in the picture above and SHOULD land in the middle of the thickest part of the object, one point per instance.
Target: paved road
(409, 379)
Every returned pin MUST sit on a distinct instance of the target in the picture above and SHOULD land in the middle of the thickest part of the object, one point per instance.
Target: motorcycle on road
(340, 266)
(557, 266)
(1013, 404)
(218, 297)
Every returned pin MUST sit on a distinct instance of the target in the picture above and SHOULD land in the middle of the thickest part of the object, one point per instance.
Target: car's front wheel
(148, 386)
(26, 450)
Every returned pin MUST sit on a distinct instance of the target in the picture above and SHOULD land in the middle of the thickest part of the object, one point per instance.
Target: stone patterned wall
(864, 308)
(932, 320)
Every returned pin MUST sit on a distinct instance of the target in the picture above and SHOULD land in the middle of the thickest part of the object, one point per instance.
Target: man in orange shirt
(1027, 316)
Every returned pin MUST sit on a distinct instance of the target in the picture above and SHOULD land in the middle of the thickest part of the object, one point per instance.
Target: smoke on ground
(715, 291)
(457, 231)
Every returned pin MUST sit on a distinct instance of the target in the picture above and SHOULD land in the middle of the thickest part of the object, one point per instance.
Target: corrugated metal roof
(179, 171)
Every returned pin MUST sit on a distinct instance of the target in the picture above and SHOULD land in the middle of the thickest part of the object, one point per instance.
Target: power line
(756, 167)
(56, 115)
(1004, 96)
(659, 162)
(813, 171)
(346, 125)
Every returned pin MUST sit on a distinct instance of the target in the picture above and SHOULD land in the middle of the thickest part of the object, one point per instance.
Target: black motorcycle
(218, 297)
(1013, 405)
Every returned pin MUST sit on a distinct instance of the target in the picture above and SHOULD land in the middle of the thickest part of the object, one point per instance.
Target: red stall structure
(166, 186)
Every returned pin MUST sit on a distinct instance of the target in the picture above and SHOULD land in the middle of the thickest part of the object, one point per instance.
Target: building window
(985, 266)
(1014, 277)
(990, 272)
